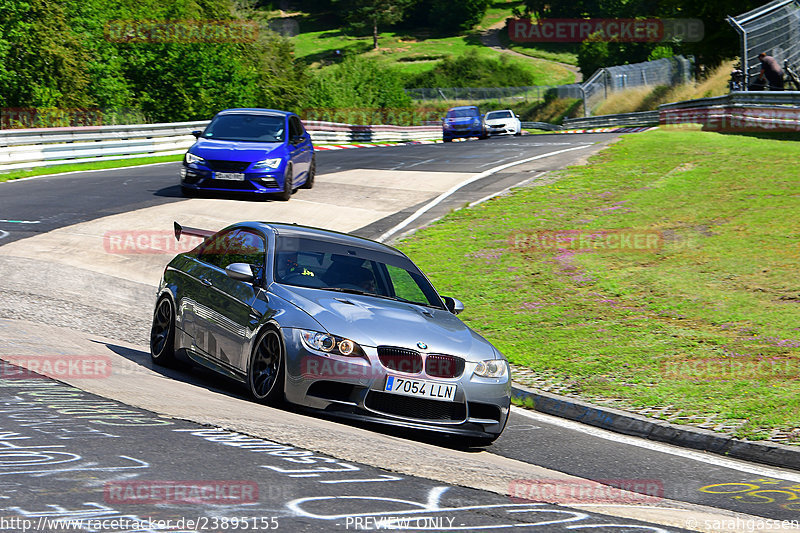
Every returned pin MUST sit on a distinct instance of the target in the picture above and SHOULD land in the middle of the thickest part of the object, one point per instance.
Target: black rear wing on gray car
(197, 232)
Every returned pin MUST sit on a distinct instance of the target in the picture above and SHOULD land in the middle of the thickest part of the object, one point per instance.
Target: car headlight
(190, 158)
(325, 342)
(268, 163)
(477, 122)
(447, 125)
(493, 368)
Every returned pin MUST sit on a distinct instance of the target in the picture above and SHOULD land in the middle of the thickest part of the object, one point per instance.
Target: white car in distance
(503, 122)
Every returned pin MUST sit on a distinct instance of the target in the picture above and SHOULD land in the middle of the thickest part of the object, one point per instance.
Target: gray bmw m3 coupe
(331, 322)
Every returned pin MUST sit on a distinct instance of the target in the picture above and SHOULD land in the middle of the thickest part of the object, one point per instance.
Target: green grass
(561, 52)
(58, 169)
(707, 322)
(499, 11)
(411, 52)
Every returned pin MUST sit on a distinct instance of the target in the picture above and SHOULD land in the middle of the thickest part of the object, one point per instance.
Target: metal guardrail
(752, 100)
(58, 146)
(540, 126)
(738, 112)
(643, 118)
(742, 98)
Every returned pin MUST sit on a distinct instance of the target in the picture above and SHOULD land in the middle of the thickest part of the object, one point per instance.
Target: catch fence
(773, 29)
(670, 71)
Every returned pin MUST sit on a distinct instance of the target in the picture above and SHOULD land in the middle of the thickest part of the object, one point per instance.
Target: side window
(404, 285)
(295, 127)
(236, 246)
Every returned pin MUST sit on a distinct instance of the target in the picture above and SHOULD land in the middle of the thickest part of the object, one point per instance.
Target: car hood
(234, 150)
(372, 321)
(499, 120)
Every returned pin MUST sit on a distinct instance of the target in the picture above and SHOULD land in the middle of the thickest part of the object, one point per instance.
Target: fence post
(585, 102)
(743, 40)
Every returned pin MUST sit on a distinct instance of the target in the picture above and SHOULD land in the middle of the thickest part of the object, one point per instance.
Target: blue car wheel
(312, 171)
(287, 185)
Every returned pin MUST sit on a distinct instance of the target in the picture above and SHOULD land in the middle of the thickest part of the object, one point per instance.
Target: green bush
(473, 70)
(357, 82)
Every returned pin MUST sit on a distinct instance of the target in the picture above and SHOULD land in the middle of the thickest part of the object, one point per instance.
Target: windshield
(462, 113)
(243, 127)
(498, 114)
(318, 264)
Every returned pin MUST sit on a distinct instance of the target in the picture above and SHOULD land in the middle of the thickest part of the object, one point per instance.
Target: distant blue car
(463, 121)
(260, 151)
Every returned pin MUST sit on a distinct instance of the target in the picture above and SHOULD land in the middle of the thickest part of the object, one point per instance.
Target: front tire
(162, 333)
(267, 367)
(288, 185)
(312, 171)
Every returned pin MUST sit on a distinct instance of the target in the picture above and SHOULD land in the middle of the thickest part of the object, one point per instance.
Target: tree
(64, 55)
(42, 61)
(374, 13)
(469, 13)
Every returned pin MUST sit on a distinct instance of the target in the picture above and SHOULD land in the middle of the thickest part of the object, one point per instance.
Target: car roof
(298, 231)
(254, 111)
(463, 107)
(499, 111)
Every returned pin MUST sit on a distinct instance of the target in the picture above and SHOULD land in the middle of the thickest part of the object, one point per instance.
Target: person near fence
(771, 71)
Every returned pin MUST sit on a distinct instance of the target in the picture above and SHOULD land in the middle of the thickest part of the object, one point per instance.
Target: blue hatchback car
(260, 151)
(463, 121)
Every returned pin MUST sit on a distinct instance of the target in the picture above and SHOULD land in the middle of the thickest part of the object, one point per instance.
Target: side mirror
(197, 134)
(240, 272)
(453, 305)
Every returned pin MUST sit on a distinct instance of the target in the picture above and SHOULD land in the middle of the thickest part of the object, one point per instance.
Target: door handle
(206, 282)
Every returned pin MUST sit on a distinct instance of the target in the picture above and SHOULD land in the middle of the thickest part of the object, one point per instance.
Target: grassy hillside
(649, 98)
(561, 52)
(412, 51)
(699, 315)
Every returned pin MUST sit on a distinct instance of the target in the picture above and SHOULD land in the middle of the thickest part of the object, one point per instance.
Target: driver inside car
(288, 266)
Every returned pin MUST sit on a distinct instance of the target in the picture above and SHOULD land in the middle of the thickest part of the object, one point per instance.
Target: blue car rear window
(242, 127)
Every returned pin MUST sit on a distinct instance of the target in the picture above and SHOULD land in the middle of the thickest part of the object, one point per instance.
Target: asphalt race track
(136, 446)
